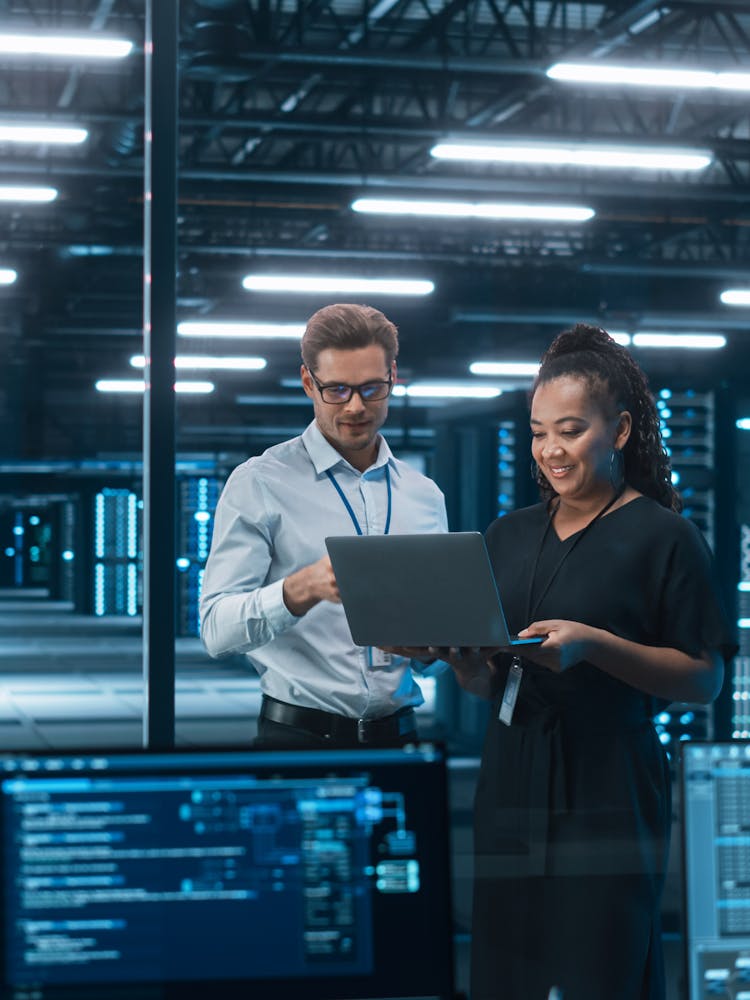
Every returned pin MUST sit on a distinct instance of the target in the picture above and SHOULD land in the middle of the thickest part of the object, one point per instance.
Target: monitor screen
(223, 873)
(716, 853)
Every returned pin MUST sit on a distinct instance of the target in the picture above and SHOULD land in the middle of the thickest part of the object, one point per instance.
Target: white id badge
(510, 693)
(379, 657)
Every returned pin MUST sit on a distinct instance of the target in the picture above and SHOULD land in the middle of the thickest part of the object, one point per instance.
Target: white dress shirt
(271, 520)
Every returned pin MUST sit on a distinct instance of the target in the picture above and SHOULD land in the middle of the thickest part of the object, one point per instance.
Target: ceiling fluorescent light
(736, 297)
(473, 210)
(138, 386)
(54, 134)
(447, 390)
(577, 155)
(699, 341)
(510, 368)
(203, 328)
(80, 47)
(14, 192)
(648, 76)
(205, 362)
(357, 286)
(7, 275)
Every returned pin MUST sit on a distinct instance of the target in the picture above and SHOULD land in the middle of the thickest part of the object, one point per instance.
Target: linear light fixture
(138, 385)
(65, 46)
(576, 155)
(60, 135)
(23, 193)
(696, 341)
(510, 368)
(204, 362)
(203, 328)
(447, 390)
(743, 424)
(648, 76)
(356, 286)
(7, 275)
(473, 210)
(736, 297)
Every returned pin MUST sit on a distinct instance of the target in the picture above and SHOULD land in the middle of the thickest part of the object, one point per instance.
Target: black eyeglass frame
(321, 387)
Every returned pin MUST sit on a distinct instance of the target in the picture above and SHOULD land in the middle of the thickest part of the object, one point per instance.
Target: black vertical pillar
(159, 294)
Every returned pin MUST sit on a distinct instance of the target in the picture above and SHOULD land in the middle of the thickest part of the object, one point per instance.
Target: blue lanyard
(348, 506)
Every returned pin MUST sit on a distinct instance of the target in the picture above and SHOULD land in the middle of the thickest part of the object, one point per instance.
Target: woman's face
(573, 438)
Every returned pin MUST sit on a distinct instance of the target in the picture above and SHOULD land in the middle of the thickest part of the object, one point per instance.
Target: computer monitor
(715, 811)
(224, 874)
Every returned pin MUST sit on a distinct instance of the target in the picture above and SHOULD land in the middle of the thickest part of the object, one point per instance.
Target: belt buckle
(362, 731)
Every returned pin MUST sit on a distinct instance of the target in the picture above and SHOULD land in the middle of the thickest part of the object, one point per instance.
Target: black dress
(572, 808)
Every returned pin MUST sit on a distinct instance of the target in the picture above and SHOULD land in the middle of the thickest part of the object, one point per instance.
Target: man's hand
(422, 653)
(309, 586)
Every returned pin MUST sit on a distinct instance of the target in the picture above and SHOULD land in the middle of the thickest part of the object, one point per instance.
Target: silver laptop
(420, 590)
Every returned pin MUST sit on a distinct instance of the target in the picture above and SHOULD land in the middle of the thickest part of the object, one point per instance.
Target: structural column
(159, 322)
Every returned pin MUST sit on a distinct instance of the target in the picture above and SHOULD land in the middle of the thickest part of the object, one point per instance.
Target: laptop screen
(716, 857)
(225, 873)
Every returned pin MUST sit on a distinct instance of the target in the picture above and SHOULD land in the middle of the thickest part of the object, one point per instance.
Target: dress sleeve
(692, 615)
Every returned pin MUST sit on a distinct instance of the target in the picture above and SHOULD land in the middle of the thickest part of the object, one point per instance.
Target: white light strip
(447, 391)
(736, 297)
(306, 283)
(583, 155)
(190, 328)
(473, 210)
(504, 368)
(13, 192)
(744, 586)
(648, 76)
(743, 424)
(204, 362)
(56, 134)
(7, 275)
(137, 385)
(699, 341)
(620, 337)
(743, 622)
(65, 46)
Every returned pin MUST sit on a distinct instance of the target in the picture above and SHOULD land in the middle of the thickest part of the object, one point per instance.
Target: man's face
(351, 427)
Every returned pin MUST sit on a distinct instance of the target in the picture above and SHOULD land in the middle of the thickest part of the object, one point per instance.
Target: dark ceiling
(288, 111)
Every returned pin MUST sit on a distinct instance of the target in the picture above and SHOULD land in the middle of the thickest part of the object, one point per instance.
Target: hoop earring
(617, 468)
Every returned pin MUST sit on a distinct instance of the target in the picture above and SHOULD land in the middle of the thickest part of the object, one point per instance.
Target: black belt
(390, 730)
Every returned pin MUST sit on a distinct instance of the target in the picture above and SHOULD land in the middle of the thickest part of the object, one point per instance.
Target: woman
(572, 807)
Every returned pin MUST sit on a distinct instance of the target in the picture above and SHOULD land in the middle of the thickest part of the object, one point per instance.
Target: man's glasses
(369, 392)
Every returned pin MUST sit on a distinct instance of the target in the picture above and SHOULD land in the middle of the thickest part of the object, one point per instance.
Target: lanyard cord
(530, 612)
(349, 508)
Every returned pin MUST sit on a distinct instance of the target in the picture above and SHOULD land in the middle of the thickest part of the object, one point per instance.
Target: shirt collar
(324, 456)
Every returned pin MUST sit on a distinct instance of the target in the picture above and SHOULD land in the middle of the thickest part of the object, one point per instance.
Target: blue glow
(666, 432)
(183, 563)
(675, 477)
(743, 623)
(744, 585)
(665, 738)
(10, 552)
(202, 516)
(18, 530)
(665, 393)
(34, 519)
(686, 718)
(68, 556)
(663, 718)
(743, 424)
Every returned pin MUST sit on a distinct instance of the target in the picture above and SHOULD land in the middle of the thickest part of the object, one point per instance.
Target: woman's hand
(566, 643)
(472, 665)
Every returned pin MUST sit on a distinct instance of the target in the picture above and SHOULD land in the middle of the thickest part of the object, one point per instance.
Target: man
(269, 590)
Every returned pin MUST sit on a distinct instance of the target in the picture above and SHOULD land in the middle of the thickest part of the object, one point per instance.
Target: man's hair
(345, 327)
(617, 382)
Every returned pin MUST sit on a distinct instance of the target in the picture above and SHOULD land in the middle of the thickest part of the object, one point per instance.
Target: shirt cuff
(276, 613)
